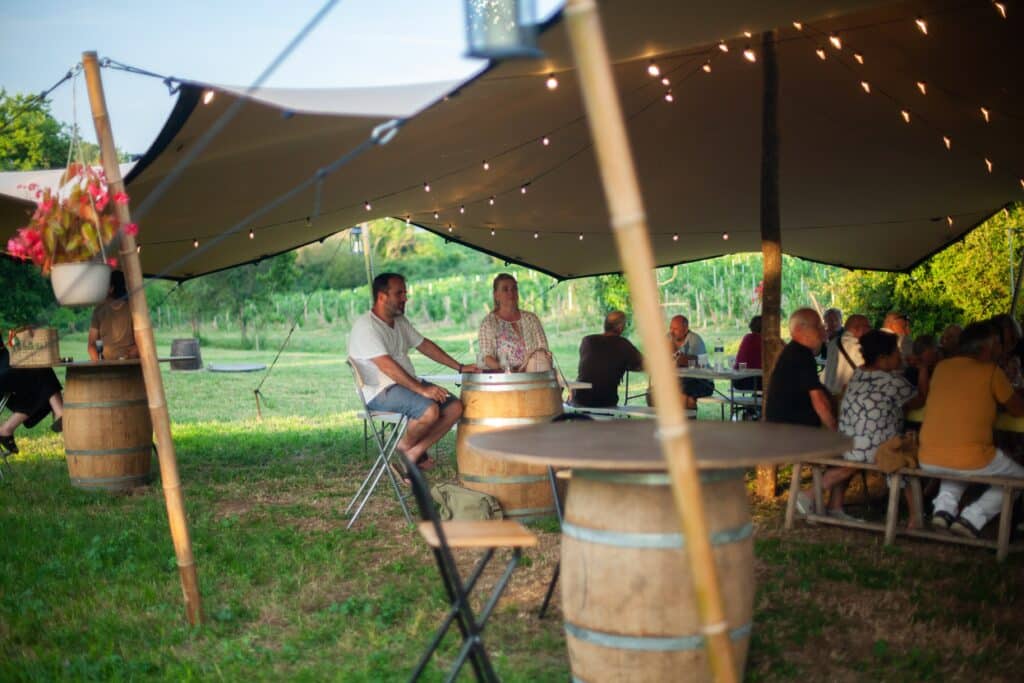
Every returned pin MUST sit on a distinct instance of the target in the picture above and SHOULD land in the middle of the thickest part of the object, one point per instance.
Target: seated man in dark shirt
(604, 359)
(795, 395)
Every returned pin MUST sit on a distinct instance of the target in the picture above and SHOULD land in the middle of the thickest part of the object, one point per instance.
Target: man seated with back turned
(956, 436)
(795, 396)
(604, 359)
(379, 346)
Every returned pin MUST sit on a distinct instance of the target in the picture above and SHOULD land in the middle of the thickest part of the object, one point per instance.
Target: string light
(947, 142)
(545, 141)
(581, 237)
(821, 53)
(665, 81)
(722, 46)
(536, 235)
(138, 248)
(923, 87)
(985, 114)
(836, 42)
(492, 232)
(798, 26)
(462, 209)
(1006, 212)
(1021, 183)
(988, 165)
(366, 205)
(749, 55)
(522, 189)
(552, 82)
(725, 236)
(922, 24)
(653, 69)
(195, 243)
(208, 96)
(675, 237)
(449, 228)
(252, 234)
(426, 187)
(668, 96)
(436, 215)
(866, 86)
(487, 166)
(906, 115)
(1001, 8)
(408, 220)
(707, 67)
(858, 57)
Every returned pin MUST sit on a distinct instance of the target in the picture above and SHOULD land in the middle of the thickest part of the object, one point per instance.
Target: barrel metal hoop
(520, 513)
(523, 479)
(110, 451)
(95, 482)
(526, 386)
(647, 643)
(660, 541)
(653, 478)
(506, 421)
(107, 404)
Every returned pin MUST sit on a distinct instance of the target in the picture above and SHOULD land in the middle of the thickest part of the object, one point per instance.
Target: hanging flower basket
(73, 224)
(80, 284)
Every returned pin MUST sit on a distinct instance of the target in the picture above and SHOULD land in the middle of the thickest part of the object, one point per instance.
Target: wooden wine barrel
(627, 596)
(108, 435)
(499, 401)
(186, 347)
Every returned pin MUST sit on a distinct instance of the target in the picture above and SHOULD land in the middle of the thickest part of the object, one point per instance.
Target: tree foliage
(30, 138)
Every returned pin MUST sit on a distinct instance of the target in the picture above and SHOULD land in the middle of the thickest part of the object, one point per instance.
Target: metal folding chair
(442, 537)
(3, 456)
(387, 443)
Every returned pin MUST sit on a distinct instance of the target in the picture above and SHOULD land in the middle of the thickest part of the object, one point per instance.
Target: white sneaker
(841, 514)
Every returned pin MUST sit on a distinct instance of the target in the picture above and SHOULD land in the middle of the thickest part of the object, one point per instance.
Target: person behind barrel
(112, 324)
(604, 359)
(379, 346)
(511, 339)
(33, 392)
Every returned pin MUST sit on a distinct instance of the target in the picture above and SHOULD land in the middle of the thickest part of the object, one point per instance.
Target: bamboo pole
(1016, 287)
(771, 241)
(622, 192)
(143, 328)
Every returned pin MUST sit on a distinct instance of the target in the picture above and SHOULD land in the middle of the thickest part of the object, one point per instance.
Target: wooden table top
(108, 363)
(709, 373)
(631, 445)
(458, 379)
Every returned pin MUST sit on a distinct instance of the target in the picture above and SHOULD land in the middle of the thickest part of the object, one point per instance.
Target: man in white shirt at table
(843, 355)
(687, 345)
(379, 346)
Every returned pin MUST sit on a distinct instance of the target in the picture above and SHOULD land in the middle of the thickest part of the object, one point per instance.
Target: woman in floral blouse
(511, 339)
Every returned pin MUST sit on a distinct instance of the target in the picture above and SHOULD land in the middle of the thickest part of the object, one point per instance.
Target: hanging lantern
(356, 235)
(502, 29)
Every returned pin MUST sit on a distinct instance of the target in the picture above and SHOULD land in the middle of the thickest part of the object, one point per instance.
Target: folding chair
(442, 537)
(387, 444)
(3, 456)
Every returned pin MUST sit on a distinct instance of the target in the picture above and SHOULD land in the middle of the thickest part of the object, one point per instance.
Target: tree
(30, 138)
(247, 291)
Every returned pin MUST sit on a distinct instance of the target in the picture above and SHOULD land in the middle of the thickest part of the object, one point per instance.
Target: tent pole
(771, 240)
(143, 328)
(1016, 288)
(629, 224)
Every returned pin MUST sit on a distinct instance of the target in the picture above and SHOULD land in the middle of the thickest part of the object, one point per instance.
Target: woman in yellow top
(511, 339)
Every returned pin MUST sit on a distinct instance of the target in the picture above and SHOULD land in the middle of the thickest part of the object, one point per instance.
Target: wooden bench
(890, 528)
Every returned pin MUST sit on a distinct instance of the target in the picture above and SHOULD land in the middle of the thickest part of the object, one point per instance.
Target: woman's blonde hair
(494, 286)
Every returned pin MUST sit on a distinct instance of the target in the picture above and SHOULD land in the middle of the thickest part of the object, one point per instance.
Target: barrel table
(494, 401)
(627, 596)
(188, 354)
(108, 435)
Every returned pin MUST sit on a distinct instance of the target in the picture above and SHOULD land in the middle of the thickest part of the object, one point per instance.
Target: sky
(360, 43)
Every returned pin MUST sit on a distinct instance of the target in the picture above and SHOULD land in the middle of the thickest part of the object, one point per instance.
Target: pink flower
(112, 262)
(101, 201)
(120, 198)
(131, 229)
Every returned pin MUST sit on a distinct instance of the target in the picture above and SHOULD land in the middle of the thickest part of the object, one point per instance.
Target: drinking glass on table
(702, 360)
(743, 366)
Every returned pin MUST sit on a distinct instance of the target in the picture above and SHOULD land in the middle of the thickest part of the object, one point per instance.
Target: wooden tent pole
(771, 240)
(1015, 298)
(143, 328)
(622, 192)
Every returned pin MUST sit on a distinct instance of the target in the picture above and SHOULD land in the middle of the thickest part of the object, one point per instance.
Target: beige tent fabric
(859, 186)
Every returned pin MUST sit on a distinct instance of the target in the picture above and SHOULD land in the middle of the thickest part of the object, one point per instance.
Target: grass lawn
(89, 587)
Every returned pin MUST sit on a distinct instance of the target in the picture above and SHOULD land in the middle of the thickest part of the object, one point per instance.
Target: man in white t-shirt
(843, 355)
(379, 346)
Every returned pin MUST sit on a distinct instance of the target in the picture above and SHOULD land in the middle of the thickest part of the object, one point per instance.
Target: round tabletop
(631, 445)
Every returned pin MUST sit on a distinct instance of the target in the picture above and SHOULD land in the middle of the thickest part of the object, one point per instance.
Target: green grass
(89, 587)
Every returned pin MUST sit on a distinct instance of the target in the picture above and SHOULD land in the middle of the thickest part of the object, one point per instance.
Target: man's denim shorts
(398, 399)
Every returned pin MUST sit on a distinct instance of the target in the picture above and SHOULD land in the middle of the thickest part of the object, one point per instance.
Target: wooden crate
(34, 347)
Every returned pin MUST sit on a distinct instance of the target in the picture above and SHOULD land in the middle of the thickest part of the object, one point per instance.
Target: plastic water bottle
(719, 357)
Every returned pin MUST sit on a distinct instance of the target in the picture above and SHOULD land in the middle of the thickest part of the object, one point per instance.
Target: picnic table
(730, 374)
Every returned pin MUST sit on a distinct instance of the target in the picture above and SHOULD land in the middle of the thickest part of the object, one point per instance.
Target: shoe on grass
(804, 504)
(942, 520)
(841, 514)
(58, 425)
(961, 527)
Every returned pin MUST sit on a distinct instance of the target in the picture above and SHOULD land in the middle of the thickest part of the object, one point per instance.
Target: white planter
(80, 284)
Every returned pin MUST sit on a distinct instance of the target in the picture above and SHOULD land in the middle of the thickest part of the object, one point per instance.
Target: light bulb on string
(491, 200)
(1001, 8)
(988, 165)
(722, 46)
(665, 81)
(947, 142)
(552, 82)
(408, 220)
(923, 87)
(1006, 212)
(748, 34)
(675, 237)
(866, 87)
(545, 141)
(1021, 183)
(798, 26)
(836, 41)
(906, 115)
(487, 166)
(581, 237)
(749, 55)
(922, 25)
(436, 215)
(462, 209)
(725, 236)
(668, 96)
(138, 248)
(208, 96)
(426, 187)
(492, 232)
(653, 69)
(522, 189)
(366, 205)
(949, 221)
(985, 114)
(195, 242)
(707, 67)
(449, 228)
(821, 53)
(858, 57)
(252, 234)
(536, 235)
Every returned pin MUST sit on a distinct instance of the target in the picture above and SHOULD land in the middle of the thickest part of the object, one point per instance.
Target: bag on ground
(455, 502)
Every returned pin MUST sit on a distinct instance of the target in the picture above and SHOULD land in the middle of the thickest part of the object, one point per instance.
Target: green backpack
(455, 502)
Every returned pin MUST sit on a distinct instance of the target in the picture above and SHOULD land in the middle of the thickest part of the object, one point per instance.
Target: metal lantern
(502, 29)
(356, 235)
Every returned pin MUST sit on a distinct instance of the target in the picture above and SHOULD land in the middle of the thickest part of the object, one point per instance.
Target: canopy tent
(860, 186)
